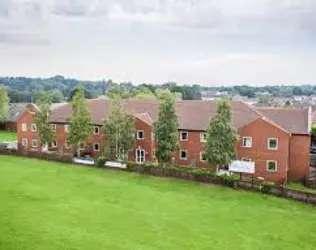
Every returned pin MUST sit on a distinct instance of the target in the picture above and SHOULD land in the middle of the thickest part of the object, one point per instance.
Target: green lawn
(51, 206)
(7, 136)
(300, 187)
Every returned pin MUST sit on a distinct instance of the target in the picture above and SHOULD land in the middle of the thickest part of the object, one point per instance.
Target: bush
(100, 161)
(130, 165)
(267, 186)
(230, 180)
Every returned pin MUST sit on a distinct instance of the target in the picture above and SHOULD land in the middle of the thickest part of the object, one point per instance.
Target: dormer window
(184, 135)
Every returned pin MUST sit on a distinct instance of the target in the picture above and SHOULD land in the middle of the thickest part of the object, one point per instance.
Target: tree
(80, 120)
(87, 93)
(166, 127)
(42, 117)
(119, 131)
(4, 104)
(221, 138)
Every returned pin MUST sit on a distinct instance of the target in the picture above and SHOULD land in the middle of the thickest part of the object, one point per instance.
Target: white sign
(242, 167)
(114, 164)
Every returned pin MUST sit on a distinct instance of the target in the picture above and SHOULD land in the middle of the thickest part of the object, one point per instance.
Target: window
(54, 144)
(96, 147)
(96, 130)
(247, 142)
(272, 166)
(24, 142)
(140, 135)
(246, 159)
(66, 128)
(202, 157)
(33, 127)
(24, 127)
(34, 143)
(140, 156)
(273, 144)
(183, 155)
(54, 127)
(184, 135)
(203, 136)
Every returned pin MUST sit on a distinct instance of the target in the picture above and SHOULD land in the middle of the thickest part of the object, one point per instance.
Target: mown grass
(300, 187)
(7, 136)
(47, 205)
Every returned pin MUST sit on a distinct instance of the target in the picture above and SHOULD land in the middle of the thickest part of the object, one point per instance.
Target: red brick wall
(260, 131)
(194, 147)
(146, 144)
(28, 119)
(299, 157)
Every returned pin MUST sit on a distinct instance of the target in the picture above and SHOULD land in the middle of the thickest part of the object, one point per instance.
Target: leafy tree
(80, 120)
(4, 104)
(87, 93)
(221, 139)
(166, 127)
(42, 117)
(119, 131)
(143, 93)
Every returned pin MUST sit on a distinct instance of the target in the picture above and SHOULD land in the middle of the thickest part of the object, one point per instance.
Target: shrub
(130, 165)
(267, 186)
(100, 161)
(229, 180)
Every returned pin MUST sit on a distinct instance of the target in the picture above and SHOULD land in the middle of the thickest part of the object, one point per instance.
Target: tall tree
(119, 131)
(80, 127)
(42, 117)
(221, 139)
(166, 127)
(4, 104)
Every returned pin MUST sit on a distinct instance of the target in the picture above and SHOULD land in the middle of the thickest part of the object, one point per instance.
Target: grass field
(7, 136)
(51, 206)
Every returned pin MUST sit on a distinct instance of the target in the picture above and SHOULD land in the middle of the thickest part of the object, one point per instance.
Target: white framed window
(246, 159)
(24, 142)
(24, 127)
(33, 127)
(34, 143)
(54, 127)
(66, 128)
(96, 147)
(96, 130)
(140, 135)
(203, 136)
(183, 154)
(247, 142)
(140, 156)
(184, 135)
(273, 144)
(272, 166)
(54, 144)
(202, 157)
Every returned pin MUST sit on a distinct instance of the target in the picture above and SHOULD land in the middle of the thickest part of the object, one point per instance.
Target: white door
(140, 156)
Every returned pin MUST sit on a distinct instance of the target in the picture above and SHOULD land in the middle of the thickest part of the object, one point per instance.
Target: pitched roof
(293, 120)
(193, 115)
(16, 110)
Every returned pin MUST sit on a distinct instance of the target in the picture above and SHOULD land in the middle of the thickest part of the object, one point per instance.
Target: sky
(207, 42)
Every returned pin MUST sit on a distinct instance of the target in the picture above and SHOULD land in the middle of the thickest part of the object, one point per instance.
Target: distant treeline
(23, 89)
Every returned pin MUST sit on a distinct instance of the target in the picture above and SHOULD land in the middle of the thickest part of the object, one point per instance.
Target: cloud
(4, 8)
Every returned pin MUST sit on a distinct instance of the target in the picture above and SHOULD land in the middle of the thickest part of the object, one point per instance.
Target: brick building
(276, 140)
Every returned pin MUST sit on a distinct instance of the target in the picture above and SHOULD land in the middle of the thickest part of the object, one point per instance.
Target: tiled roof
(16, 110)
(192, 115)
(293, 120)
